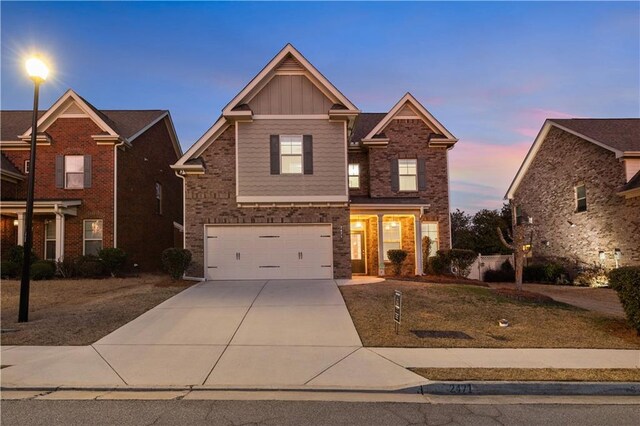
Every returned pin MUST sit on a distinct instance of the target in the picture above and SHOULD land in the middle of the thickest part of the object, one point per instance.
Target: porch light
(602, 256)
(15, 222)
(357, 225)
(37, 69)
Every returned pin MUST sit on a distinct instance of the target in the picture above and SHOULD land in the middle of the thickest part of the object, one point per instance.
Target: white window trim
(27, 166)
(84, 239)
(384, 249)
(577, 200)
(437, 224)
(66, 172)
(415, 176)
(350, 175)
(46, 239)
(301, 155)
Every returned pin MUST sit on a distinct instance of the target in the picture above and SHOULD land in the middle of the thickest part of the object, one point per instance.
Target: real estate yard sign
(397, 308)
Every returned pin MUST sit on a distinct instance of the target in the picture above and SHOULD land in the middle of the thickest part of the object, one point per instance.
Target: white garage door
(242, 252)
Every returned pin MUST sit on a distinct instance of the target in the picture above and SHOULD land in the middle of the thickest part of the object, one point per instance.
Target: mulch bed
(438, 279)
(522, 295)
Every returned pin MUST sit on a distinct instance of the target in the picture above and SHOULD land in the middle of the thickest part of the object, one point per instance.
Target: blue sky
(490, 72)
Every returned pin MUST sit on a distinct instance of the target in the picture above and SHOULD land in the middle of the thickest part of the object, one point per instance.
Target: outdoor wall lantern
(602, 256)
(617, 254)
(15, 222)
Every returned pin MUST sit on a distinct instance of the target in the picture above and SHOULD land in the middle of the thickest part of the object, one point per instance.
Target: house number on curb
(397, 308)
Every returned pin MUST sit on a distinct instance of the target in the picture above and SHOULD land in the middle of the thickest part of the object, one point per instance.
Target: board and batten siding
(329, 164)
(290, 95)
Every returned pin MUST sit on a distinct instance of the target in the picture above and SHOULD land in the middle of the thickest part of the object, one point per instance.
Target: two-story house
(294, 181)
(579, 187)
(103, 179)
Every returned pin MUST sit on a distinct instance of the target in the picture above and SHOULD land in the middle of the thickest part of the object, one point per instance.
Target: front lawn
(80, 311)
(475, 311)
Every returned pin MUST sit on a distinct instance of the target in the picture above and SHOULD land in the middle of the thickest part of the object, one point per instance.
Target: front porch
(374, 233)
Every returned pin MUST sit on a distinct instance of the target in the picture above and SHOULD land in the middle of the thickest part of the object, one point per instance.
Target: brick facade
(210, 198)
(143, 232)
(547, 194)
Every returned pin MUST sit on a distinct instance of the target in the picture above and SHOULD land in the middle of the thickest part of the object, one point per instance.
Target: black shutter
(87, 171)
(395, 179)
(422, 174)
(307, 154)
(59, 171)
(275, 154)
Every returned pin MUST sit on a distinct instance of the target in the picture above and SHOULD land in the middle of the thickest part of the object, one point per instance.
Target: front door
(358, 265)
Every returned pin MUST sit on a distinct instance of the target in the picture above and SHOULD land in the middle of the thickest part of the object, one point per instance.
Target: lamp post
(38, 72)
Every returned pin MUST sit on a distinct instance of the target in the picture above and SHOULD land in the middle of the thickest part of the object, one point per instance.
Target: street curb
(532, 388)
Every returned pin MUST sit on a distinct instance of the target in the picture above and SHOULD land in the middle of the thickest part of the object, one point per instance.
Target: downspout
(115, 192)
(180, 174)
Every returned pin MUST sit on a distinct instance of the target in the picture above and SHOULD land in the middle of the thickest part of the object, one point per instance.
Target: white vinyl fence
(483, 263)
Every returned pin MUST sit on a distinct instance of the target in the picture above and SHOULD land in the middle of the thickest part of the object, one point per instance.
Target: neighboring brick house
(293, 181)
(103, 179)
(579, 186)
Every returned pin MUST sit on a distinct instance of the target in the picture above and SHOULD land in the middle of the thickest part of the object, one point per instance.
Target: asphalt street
(185, 412)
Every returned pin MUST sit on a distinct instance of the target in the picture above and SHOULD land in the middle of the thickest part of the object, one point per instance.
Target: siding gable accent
(274, 150)
(59, 171)
(422, 174)
(290, 95)
(307, 154)
(87, 171)
(395, 178)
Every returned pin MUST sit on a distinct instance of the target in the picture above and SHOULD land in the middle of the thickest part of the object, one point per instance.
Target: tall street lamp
(38, 72)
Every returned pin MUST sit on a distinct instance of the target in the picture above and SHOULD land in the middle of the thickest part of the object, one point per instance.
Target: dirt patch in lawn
(79, 312)
(531, 374)
(476, 311)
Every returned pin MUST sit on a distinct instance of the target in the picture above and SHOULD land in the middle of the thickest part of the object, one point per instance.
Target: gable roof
(409, 100)
(128, 124)
(365, 122)
(8, 169)
(288, 58)
(621, 136)
(631, 188)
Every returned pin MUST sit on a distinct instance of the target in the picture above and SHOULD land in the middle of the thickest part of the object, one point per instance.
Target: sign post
(397, 309)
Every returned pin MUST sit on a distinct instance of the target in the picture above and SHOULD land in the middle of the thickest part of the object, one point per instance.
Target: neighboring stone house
(293, 181)
(579, 186)
(103, 179)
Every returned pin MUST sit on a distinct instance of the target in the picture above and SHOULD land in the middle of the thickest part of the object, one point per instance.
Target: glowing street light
(38, 72)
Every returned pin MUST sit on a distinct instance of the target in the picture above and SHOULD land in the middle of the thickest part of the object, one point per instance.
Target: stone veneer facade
(210, 198)
(547, 194)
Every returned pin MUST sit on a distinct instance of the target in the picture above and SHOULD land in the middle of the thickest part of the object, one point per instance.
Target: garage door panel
(269, 252)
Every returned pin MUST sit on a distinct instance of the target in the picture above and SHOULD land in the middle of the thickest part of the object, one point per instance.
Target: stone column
(60, 236)
(418, 237)
(21, 229)
(380, 246)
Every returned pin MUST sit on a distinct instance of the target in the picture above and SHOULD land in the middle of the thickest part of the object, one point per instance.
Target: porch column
(59, 236)
(418, 237)
(380, 246)
(21, 229)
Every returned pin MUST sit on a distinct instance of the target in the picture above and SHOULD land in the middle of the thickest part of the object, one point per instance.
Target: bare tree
(518, 245)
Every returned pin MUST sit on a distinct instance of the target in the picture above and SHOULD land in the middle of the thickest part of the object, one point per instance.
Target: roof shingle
(622, 134)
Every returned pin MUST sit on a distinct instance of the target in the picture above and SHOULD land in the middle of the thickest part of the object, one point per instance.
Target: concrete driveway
(248, 334)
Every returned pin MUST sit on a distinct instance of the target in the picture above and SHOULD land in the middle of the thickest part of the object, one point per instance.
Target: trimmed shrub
(592, 276)
(543, 272)
(426, 249)
(176, 261)
(15, 254)
(499, 275)
(397, 257)
(626, 281)
(437, 266)
(507, 267)
(457, 261)
(8, 269)
(89, 267)
(66, 268)
(113, 259)
(43, 270)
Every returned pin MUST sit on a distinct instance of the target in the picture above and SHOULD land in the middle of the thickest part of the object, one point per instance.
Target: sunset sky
(490, 72)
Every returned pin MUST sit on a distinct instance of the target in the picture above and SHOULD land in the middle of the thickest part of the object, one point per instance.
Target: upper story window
(291, 154)
(74, 171)
(408, 174)
(581, 198)
(27, 167)
(158, 198)
(518, 215)
(354, 175)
